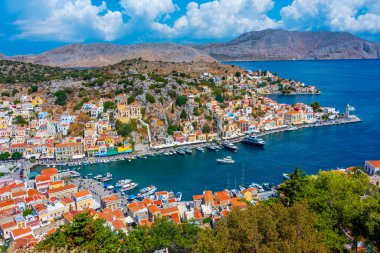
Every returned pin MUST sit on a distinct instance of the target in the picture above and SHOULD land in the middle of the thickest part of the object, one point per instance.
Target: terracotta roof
(197, 197)
(136, 206)
(8, 225)
(222, 196)
(63, 188)
(68, 144)
(118, 224)
(237, 202)
(110, 198)
(175, 217)
(19, 194)
(39, 207)
(6, 203)
(153, 208)
(56, 183)
(67, 200)
(207, 195)
(49, 171)
(21, 231)
(375, 163)
(32, 192)
(169, 210)
(42, 178)
(82, 194)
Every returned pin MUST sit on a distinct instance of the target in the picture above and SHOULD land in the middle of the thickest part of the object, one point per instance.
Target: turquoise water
(355, 82)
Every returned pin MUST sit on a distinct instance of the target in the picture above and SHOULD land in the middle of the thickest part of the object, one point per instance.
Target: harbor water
(356, 82)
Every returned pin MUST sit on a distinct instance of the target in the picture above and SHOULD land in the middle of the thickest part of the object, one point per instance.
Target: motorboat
(253, 140)
(227, 159)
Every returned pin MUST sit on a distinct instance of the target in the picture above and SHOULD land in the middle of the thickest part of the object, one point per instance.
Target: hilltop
(101, 54)
(261, 45)
(286, 45)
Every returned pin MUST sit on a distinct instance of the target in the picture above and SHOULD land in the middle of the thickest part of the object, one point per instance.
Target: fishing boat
(253, 140)
(178, 196)
(286, 176)
(293, 128)
(129, 186)
(200, 149)
(150, 189)
(236, 192)
(258, 187)
(98, 177)
(212, 148)
(227, 159)
(122, 182)
(180, 152)
(230, 146)
(188, 150)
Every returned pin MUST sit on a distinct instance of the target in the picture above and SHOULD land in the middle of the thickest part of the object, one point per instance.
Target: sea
(354, 82)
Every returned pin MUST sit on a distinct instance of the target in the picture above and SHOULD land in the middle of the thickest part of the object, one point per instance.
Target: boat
(212, 148)
(200, 149)
(188, 150)
(230, 146)
(286, 176)
(293, 128)
(98, 177)
(129, 186)
(166, 153)
(122, 182)
(178, 196)
(107, 177)
(241, 188)
(227, 159)
(258, 187)
(89, 174)
(151, 188)
(267, 186)
(236, 192)
(131, 197)
(180, 152)
(253, 140)
(110, 187)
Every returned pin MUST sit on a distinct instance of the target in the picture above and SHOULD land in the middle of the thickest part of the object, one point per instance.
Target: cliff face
(97, 55)
(285, 45)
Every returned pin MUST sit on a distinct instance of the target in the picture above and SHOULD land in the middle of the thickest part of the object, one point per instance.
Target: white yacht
(227, 159)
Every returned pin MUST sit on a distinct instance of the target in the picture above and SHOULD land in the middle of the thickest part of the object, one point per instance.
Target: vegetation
(309, 216)
(181, 100)
(61, 97)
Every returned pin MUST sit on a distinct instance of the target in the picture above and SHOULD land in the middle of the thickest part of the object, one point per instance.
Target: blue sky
(34, 26)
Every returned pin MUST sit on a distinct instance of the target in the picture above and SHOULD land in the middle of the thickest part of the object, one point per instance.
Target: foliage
(150, 98)
(27, 212)
(33, 89)
(181, 100)
(86, 234)
(183, 114)
(125, 129)
(4, 156)
(206, 129)
(316, 107)
(19, 120)
(16, 155)
(173, 128)
(108, 105)
(61, 97)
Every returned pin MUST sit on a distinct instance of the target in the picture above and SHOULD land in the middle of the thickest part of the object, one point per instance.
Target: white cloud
(356, 16)
(220, 19)
(82, 20)
(68, 21)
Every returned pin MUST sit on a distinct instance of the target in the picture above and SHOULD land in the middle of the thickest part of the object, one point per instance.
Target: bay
(343, 81)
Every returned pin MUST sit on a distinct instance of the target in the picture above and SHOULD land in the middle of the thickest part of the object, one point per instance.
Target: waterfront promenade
(27, 165)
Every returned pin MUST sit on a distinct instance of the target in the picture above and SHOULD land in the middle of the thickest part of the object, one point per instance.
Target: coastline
(157, 150)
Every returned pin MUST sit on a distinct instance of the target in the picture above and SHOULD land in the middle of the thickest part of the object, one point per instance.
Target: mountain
(284, 45)
(101, 54)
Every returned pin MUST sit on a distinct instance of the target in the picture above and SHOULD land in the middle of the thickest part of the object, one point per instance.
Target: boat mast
(242, 177)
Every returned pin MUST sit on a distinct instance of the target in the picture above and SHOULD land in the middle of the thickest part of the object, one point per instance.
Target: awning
(78, 156)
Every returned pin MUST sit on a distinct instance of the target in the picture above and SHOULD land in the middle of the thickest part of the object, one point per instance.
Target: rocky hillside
(97, 55)
(284, 45)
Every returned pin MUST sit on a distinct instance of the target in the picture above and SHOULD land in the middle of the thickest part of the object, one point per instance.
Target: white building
(372, 167)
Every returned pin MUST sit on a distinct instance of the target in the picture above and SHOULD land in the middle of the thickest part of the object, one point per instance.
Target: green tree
(4, 156)
(108, 105)
(16, 155)
(183, 115)
(150, 98)
(181, 100)
(61, 97)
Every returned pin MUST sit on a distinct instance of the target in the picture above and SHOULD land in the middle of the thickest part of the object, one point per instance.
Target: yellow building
(61, 192)
(68, 151)
(37, 101)
(294, 117)
(83, 200)
(127, 112)
(4, 123)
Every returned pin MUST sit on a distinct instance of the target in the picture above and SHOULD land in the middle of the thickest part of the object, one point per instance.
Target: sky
(34, 26)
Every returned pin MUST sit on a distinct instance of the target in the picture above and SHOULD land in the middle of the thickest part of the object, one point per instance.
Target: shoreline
(161, 149)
